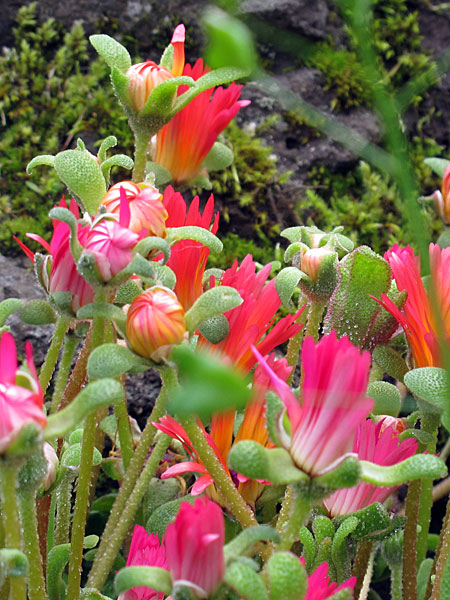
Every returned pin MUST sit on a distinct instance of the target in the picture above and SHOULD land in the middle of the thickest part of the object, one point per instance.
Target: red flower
(194, 547)
(377, 443)
(183, 144)
(187, 257)
(21, 398)
(319, 586)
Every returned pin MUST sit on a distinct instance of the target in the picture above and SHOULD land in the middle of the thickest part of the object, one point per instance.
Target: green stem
(100, 568)
(124, 430)
(361, 566)
(410, 541)
(298, 506)
(11, 521)
(222, 480)
(397, 583)
(51, 525)
(440, 559)
(65, 366)
(47, 368)
(79, 373)
(98, 577)
(295, 343)
(314, 319)
(84, 481)
(140, 156)
(63, 498)
(36, 582)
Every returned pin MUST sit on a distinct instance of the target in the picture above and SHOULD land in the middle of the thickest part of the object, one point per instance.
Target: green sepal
(96, 394)
(82, 175)
(431, 384)
(113, 53)
(287, 577)
(108, 143)
(323, 528)
(206, 82)
(423, 437)
(121, 85)
(147, 244)
(215, 329)
(213, 272)
(62, 301)
(370, 519)
(211, 303)
(57, 559)
(91, 593)
(275, 407)
(351, 310)
(105, 310)
(285, 283)
(112, 360)
(162, 175)
(301, 233)
(32, 472)
(444, 239)
(337, 241)
(208, 385)
(118, 160)
(391, 361)
(415, 467)
(127, 292)
(218, 158)
(163, 275)
(327, 277)
(138, 266)
(66, 216)
(339, 552)
(392, 549)
(245, 582)
(47, 160)
(387, 397)
(159, 491)
(257, 462)
(323, 554)
(345, 475)
(230, 42)
(197, 234)
(294, 250)
(72, 457)
(153, 577)
(38, 312)
(438, 165)
(8, 307)
(309, 547)
(166, 59)
(27, 442)
(161, 99)
(423, 576)
(247, 538)
(165, 514)
(13, 563)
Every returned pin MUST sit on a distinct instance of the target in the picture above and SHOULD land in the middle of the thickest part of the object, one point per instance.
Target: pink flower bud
(144, 77)
(313, 259)
(194, 547)
(442, 198)
(147, 211)
(155, 323)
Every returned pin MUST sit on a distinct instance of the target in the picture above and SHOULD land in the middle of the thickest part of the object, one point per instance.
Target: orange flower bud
(143, 78)
(146, 206)
(155, 323)
(312, 260)
(442, 198)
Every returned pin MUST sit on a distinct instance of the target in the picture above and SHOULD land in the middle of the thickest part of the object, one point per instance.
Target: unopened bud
(398, 425)
(442, 198)
(155, 323)
(313, 259)
(144, 77)
(145, 203)
(52, 465)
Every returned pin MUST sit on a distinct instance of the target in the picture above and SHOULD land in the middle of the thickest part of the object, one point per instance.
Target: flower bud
(155, 323)
(397, 425)
(313, 259)
(144, 77)
(52, 461)
(442, 198)
(147, 211)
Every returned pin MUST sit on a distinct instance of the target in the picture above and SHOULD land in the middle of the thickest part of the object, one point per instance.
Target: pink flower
(188, 258)
(145, 551)
(319, 586)
(112, 246)
(377, 443)
(59, 272)
(194, 547)
(21, 398)
(416, 318)
(334, 403)
(183, 144)
(147, 212)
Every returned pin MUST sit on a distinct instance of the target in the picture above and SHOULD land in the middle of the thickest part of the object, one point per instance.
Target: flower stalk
(45, 375)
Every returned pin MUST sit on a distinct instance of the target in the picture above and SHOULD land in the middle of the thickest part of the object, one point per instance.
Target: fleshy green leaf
(387, 398)
(82, 175)
(113, 53)
(423, 575)
(96, 394)
(309, 546)
(8, 307)
(339, 551)
(121, 84)
(345, 475)
(198, 234)
(43, 159)
(147, 244)
(161, 174)
(287, 577)
(218, 158)
(162, 97)
(165, 514)
(414, 467)
(432, 385)
(285, 283)
(208, 385)
(38, 312)
(108, 143)
(391, 361)
(153, 577)
(211, 303)
(118, 160)
(112, 360)
(13, 563)
(275, 464)
(215, 329)
(437, 164)
(243, 580)
(247, 538)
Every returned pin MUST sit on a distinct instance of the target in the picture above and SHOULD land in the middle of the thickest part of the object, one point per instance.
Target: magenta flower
(145, 551)
(21, 398)
(194, 547)
(319, 586)
(377, 443)
(334, 403)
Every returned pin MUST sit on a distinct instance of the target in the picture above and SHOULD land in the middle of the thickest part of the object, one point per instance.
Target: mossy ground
(50, 93)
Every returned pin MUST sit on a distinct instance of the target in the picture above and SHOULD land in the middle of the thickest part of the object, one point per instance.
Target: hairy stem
(296, 507)
(140, 157)
(47, 368)
(65, 365)
(410, 541)
(36, 582)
